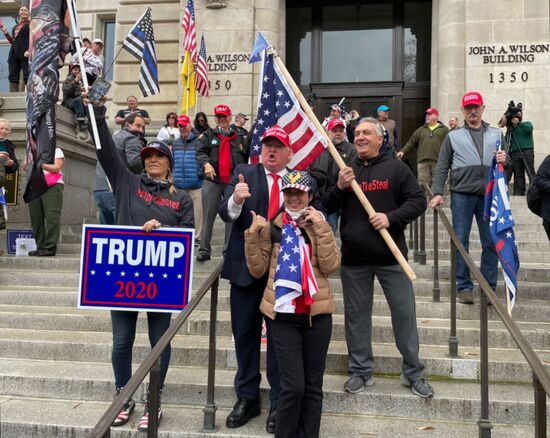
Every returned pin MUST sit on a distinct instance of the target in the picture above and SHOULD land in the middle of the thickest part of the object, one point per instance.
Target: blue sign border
(86, 296)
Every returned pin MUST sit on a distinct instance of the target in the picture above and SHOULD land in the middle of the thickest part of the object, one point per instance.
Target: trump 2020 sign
(124, 268)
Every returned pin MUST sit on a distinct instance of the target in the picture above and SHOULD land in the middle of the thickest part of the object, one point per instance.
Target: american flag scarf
(294, 274)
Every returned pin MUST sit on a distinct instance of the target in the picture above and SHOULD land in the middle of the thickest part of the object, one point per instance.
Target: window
(298, 49)
(418, 40)
(109, 47)
(357, 43)
(8, 20)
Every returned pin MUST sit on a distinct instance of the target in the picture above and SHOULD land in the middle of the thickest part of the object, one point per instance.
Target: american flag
(501, 227)
(277, 104)
(140, 43)
(201, 78)
(189, 30)
(293, 275)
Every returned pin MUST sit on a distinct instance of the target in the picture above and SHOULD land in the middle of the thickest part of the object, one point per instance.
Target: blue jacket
(187, 171)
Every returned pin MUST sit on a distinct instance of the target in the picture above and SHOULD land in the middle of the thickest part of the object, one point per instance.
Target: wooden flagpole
(336, 156)
(508, 304)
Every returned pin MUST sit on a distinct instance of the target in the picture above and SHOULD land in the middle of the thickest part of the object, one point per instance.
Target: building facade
(407, 54)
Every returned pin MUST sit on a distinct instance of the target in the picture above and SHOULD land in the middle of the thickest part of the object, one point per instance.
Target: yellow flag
(188, 81)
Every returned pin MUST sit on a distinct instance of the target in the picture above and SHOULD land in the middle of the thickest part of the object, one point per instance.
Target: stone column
(448, 57)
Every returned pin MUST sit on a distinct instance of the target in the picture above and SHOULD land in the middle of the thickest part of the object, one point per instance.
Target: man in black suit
(250, 190)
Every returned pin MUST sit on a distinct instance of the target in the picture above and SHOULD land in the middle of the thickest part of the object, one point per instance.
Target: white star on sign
(180, 276)
(92, 272)
(151, 275)
(165, 275)
(108, 273)
(123, 274)
(293, 268)
(286, 257)
(136, 274)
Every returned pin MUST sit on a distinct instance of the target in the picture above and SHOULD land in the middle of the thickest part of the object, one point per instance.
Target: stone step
(524, 310)
(431, 331)
(510, 403)
(532, 272)
(524, 256)
(76, 418)
(506, 365)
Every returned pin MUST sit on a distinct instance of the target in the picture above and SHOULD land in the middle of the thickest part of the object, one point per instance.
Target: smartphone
(99, 89)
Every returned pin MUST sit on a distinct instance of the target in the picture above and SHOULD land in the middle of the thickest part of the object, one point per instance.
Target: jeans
(301, 346)
(124, 333)
(76, 105)
(105, 201)
(464, 208)
(358, 290)
(332, 219)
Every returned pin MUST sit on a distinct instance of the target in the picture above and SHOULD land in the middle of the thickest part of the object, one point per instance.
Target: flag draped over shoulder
(48, 43)
(189, 86)
(201, 78)
(277, 105)
(501, 227)
(140, 43)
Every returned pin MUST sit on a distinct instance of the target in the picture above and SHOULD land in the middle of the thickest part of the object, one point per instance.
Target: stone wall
(497, 47)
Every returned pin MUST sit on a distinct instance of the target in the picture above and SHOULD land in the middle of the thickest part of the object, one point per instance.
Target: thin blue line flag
(259, 46)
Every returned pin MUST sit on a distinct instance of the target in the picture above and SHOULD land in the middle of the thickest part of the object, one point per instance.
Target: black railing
(151, 365)
(541, 378)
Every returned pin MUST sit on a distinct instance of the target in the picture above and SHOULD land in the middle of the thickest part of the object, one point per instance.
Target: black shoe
(34, 253)
(270, 423)
(242, 412)
(46, 253)
(203, 257)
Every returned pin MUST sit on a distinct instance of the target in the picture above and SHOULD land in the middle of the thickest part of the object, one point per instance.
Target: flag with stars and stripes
(293, 274)
(140, 43)
(277, 105)
(501, 226)
(201, 71)
(189, 30)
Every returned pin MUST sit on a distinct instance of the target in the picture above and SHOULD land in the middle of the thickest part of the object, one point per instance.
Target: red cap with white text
(222, 110)
(472, 98)
(277, 133)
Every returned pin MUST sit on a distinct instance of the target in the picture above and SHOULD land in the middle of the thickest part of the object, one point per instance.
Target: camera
(512, 111)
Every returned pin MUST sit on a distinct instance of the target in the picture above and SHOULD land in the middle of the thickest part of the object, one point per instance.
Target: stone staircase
(56, 377)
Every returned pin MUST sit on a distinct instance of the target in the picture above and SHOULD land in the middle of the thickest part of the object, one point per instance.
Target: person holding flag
(297, 251)
(498, 213)
(468, 152)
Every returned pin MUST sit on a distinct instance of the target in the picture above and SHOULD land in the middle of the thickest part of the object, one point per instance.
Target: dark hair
(196, 122)
(131, 118)
(168, 117)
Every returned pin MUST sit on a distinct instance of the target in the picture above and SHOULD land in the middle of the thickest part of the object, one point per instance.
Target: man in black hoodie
(398, 200)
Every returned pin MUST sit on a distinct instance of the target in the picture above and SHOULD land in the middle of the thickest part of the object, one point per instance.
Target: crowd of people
(280, 244)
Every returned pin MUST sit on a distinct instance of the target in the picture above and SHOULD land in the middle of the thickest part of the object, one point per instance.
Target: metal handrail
(103, 426)
(541, 378)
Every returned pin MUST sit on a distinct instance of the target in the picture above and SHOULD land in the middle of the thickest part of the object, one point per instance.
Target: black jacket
(542, 181)
(392, 189)
(208, 151)
(325, 170)
(139, 198)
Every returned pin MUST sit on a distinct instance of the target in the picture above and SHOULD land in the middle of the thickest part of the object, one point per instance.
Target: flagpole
(71, 6)
(336, 156)
(188, 84)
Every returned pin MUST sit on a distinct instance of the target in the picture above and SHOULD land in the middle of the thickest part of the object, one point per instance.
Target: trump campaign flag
(278, 105)
(501, 227)
(49, 42)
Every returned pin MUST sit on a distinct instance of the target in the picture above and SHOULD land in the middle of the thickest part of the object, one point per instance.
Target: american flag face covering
(294, 273)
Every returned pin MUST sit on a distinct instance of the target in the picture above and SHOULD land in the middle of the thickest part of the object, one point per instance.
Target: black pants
(15, 65)
(522, 162)
(246, 324)
(301, 350)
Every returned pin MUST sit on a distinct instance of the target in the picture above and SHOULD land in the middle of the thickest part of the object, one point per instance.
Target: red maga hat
(472, 98)
(432, 110)
(335, 123)
(184, 120)
(222, 110)
(277, 133)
